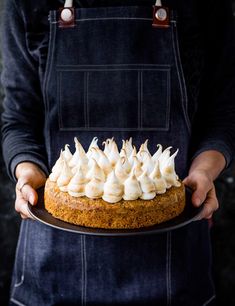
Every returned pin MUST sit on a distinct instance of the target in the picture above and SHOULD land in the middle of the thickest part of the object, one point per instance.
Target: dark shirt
(206, 38)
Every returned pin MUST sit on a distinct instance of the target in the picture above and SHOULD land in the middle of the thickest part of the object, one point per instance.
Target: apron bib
(113, 74)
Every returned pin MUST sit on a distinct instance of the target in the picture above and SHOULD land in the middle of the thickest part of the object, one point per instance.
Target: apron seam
(24, 259)
(208, 301)
(112, 18)
(168, 268)
(85, 271)
(87, 99)
(17, 302)
(82, 276)
(180, 74)
(50, 58)
(139, 98)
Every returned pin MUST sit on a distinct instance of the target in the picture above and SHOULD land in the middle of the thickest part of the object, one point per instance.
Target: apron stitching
(118, 69)
(17, 249)
(147, 19)
(24, 257)
(141, 98)
(47, 77)
(101, 129)
(164, 67)
(87, 99)
(168, 102)
(85, 271)
(17, 302)
(180, 74)
(82, 262)
(210, 299)
(168, 268)
(60, 100)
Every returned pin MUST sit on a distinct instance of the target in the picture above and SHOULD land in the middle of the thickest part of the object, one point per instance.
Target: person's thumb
(199, 187)
(29, 194)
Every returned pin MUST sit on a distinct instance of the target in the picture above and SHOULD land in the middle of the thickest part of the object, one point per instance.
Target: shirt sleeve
(214, 125)
(23, 114)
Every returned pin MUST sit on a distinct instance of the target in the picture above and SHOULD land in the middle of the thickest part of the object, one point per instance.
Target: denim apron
(113, 74)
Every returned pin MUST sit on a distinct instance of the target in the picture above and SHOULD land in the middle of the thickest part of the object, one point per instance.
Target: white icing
(157, 154)
(113, 189)
(128, 147)
(79, 155)
(96, 172)
(76, 186)
(137, 166)
(65, 177)
(148, 163)
(56, 170)
(67, 153)
(113, 155)
(113, 175)
(104, 163)
(93, 144)
(147, 187)
(94, 189)
(168, 171)
(159, 181)
(120, 171)
(107, 146)
(132, 189)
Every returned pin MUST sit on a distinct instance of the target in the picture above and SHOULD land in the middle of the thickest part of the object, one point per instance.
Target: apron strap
(158, 3)
(69, 3)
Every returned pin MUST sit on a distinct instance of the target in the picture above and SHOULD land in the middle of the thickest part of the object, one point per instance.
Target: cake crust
(121, 215)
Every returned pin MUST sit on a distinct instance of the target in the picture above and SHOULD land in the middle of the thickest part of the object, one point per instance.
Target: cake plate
(190, 214)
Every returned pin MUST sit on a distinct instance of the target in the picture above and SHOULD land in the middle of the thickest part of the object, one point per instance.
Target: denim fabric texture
(110, 75)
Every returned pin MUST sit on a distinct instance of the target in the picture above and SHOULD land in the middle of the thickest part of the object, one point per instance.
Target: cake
(114, 190)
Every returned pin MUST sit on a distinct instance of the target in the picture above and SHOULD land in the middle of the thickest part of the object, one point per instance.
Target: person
(115, 69)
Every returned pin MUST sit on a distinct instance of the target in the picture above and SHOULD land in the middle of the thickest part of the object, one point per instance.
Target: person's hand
(30, 177)
(204, 169)
(203, 192)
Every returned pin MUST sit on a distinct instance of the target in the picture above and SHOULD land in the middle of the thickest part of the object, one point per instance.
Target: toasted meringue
(57, 168)
(94, 189)
(168, 171)
(120, 171)
(132, 189)
(113, 155)
(158, 179)
(65, 177)
(79, 155)
(76, 186)
(96, 172)
(67, 153)
(137, 166)
(148, 163)
(147, 187)
(104, 163)
(93, 144)
(113, 189)
(157, 154)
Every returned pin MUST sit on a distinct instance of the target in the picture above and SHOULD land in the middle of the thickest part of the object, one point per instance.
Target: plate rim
(82, 230)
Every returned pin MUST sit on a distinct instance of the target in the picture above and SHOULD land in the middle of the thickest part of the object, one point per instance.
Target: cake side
(121, 215)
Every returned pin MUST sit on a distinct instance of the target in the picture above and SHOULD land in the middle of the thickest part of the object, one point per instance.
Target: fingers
(201, 186)
(210, 205)
(24, 194)
(30, 177)
(203, 192)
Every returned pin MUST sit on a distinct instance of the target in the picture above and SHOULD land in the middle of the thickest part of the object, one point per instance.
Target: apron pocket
(114, 98)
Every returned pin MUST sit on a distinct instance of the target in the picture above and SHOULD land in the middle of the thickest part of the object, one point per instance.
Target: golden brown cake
(114, 189)
(124, 214)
